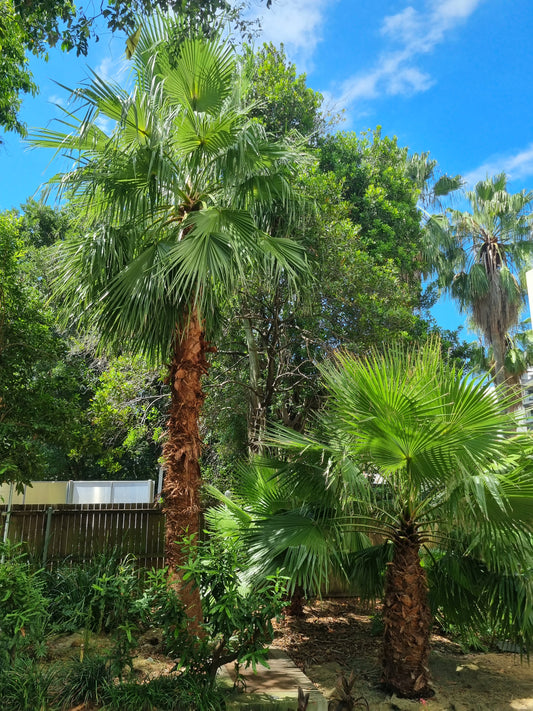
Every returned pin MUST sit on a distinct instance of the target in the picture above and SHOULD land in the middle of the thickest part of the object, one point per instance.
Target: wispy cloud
(517, 166)
(58, 100)
(111, 68)
(409, 34)
(297, 24)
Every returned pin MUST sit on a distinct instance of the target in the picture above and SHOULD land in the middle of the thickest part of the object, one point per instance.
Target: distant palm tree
(174, 183)
(479, 257)
(423, 460)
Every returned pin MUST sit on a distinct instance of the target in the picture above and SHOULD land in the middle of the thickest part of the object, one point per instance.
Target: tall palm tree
(173, 181)
(430, 467)
(479, 257)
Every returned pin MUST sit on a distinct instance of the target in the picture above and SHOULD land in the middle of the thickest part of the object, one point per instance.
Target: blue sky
(452, 77)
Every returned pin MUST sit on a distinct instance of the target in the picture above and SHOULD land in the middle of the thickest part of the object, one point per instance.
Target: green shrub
(97, 595)
(23, 607)
(237, 617)
(160, 606)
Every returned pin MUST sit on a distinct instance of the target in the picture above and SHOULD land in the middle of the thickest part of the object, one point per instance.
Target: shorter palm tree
(424, 460)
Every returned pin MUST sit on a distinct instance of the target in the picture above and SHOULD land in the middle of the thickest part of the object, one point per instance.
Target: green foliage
(127, 417)
(28, 686)
(23, 606)
(237, 618)
(409, 437)
(284, 101)
(85, 680)
(41, 386)
(15, 77)
(33, 27)
(162, 608)
(382, 198)
(173, 692)
(177, 242)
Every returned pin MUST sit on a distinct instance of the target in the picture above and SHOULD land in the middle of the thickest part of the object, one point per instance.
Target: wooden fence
(77, 532)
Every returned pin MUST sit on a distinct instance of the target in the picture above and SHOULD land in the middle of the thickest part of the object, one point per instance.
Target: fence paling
(80, 531)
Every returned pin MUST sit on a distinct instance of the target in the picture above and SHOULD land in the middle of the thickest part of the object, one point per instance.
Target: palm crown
(480, 256)
(176, 192)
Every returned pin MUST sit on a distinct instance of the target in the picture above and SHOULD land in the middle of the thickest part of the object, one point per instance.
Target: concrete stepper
(272, 689)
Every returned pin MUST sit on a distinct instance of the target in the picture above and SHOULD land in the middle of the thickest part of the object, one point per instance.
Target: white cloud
(410, 34)
(111, 68)
(58, 100)
(515, 166)
(297, 24)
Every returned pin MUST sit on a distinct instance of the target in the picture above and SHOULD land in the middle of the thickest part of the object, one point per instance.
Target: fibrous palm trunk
(181, 452)
(407, 620)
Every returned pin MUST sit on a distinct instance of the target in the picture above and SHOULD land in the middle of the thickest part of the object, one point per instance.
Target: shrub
(23, 607)
(237, 617)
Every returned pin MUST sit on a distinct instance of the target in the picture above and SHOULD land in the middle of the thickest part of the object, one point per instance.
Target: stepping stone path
(274, 688)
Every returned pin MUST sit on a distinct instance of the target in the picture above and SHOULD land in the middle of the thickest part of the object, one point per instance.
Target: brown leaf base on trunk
(181, 489)
(407, 620)
(296, 601)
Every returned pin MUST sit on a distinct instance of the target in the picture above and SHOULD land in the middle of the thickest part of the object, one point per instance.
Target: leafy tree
(363, 292)
(15, 77)
(41, 386)
(415, 454)
(382, 197)
(168, 198)
(284, 101)
(127, 415)
(34, 27)
(479, 257)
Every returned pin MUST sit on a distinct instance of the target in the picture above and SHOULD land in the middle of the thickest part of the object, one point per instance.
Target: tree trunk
(181, 452)
(256, 411)
(407, 620)
(498, 350)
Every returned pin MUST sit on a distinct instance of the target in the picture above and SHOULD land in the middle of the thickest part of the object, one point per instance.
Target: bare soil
(335, 636)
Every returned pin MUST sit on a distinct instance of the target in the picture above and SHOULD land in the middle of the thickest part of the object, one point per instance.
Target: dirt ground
(336, 636)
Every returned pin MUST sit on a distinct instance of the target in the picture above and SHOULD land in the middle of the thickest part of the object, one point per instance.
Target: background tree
(42, 386)
(366, 289)
(480, 256)
(284, 102)
(415, 454)
(168, 195)
(34, 27)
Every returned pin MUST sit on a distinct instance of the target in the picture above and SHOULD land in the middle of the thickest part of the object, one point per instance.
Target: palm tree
(170, 198)
(479, 257)
(430, 467)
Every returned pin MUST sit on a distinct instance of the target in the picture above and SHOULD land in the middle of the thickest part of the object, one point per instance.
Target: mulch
(331, 630)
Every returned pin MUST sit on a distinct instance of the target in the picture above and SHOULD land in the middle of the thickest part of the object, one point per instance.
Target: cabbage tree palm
(174, 183)
(424, 461)
(480, 256)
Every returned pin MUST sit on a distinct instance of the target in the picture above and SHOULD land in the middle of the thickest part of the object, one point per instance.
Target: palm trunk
(181, 490)
(407, 619)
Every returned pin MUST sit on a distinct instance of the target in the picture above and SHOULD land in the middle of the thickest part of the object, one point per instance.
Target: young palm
(479, 257)
(431, 468)
(171, 197)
